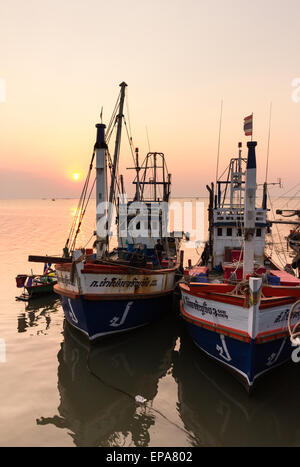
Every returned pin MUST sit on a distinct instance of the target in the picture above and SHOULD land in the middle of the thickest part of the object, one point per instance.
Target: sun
(76, 176)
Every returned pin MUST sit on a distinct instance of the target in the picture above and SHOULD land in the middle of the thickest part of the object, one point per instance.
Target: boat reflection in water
(218, 412)
(99, 407)
(38, 313)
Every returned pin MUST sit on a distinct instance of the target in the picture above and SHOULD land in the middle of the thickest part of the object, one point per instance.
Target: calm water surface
(56, 391)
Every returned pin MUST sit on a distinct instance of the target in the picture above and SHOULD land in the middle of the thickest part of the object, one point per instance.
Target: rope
(88, 241)
(127, 107)
(112, 121)
(294, 334)
(130, 396)
(130, 141)
(70, 239)
(81, 206)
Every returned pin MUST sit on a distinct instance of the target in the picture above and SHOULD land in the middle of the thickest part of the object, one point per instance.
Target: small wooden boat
(36, 285)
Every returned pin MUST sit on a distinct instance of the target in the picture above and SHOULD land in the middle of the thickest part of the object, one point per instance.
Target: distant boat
(236, 300)
(293, 238)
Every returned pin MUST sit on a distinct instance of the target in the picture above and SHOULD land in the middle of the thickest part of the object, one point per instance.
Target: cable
(130, 396)
(294, 333)
(278, 233)
(219, 141)
(286, 192)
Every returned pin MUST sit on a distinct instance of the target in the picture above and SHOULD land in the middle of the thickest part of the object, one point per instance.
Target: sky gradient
(62, 61)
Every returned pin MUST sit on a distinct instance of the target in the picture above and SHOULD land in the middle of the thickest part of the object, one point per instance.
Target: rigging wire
(268, 149)
(82, 213)
(219, 141)
(127, 107)
(278, 233)
(149, 150)
(112, 121)
(70, 238)
(283, 195)
(291, 199)
(130, 142)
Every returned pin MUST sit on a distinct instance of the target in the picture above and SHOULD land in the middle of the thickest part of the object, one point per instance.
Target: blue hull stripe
(248, 360)
(104, 317)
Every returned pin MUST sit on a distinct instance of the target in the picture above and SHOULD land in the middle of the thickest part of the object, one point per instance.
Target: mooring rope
(295, 332)
(132, 397)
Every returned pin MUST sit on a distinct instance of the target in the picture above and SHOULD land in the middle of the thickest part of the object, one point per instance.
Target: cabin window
(220, 231)
(258, 232)
(229, 232)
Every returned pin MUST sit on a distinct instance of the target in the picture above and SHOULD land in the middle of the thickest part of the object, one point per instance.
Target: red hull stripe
(278, 297)
(237, 300)
(112, 269)
(66, 293)
(281, 291)
(232, 332)
(95, 297)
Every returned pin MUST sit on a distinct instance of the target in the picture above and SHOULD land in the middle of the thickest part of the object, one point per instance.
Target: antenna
(219, 140)
(101, 114)
(268, 149)
(149, 150)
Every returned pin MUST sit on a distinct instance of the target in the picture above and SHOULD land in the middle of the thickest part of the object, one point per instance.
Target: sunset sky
(61, 61)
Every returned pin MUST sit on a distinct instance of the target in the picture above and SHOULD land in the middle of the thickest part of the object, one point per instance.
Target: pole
(101, 188)
(116, 157)
(268, 149)
(154, 160)
(249, 210)
(219, 140)
(137, 193)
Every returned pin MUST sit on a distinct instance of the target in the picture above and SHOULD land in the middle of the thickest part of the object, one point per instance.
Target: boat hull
(104, 299)
(248, 341)
(247, 361)
(103, 317)
(36, 291)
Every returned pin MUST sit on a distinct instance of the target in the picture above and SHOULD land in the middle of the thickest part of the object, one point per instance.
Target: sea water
(149, 387)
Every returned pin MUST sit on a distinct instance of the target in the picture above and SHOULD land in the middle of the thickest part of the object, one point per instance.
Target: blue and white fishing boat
(105, 291)
(236, 301)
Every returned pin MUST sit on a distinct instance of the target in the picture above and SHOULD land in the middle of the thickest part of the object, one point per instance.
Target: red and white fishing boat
(236, 301)
(107, 290)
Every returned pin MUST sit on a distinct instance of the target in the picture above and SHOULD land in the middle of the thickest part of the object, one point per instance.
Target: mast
(101, 186)
(116, 157)
(249, 210)
(137, 192)
(154, 166)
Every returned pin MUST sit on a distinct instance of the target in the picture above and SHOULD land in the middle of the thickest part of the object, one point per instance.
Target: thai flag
(248, 125)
